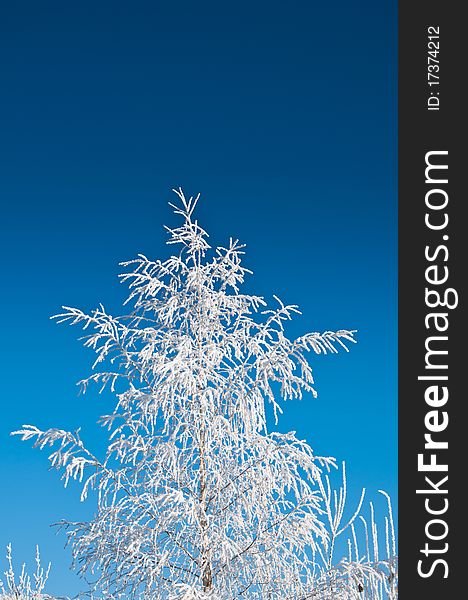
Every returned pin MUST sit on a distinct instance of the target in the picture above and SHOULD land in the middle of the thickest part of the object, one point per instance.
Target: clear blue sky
(283, 115)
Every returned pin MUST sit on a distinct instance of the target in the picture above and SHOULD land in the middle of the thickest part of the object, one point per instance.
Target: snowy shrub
(363, 573)
(196, 498)
(24, 587)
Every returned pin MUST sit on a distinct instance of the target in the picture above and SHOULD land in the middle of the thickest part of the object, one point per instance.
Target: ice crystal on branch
(197, 499)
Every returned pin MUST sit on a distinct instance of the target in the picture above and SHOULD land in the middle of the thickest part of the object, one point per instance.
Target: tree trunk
(207, 578)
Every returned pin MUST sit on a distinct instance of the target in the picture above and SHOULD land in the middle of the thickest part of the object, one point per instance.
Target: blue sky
(284, 116)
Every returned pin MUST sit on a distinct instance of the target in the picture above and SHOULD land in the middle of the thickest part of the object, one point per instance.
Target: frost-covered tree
(196, 496)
